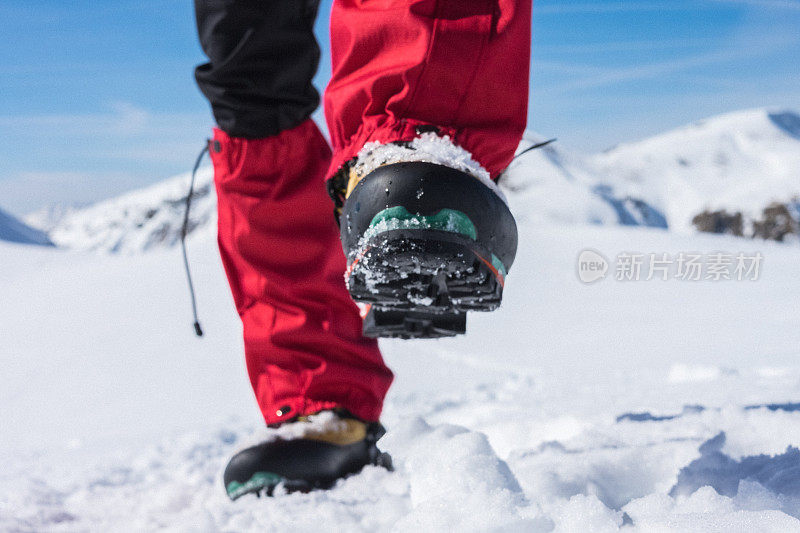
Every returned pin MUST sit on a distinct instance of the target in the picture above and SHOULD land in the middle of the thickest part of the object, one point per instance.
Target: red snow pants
(459, 65)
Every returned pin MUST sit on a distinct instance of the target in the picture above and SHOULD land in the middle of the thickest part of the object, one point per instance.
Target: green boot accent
(398, 217)
(259, 481)
(499, 265)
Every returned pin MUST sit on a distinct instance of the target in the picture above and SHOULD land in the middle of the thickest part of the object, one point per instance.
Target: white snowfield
(632, 406)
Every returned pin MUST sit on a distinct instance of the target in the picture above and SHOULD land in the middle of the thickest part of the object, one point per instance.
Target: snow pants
(399, 67)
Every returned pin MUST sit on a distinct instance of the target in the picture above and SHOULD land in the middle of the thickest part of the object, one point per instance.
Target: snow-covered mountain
(553, 184)
(138, 221)
(556, 185)
(49, 217)
(13, 230)
(742, 162)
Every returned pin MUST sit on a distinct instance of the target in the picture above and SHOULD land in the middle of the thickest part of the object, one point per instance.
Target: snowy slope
(739, 161)
(138, 221)
(13, 230)
(49, 217)
(551, 185)
(566, 410)
(556, 185)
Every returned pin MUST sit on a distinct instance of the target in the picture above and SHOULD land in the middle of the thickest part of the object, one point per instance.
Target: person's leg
(460, 65)
(278, 240)
(425, 97)
(262, 55)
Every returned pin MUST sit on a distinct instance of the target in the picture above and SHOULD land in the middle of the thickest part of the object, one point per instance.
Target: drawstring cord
(525, 151)
(534, 147)
(184, 230)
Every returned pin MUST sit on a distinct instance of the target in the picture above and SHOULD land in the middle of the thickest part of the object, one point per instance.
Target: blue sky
(97, 97)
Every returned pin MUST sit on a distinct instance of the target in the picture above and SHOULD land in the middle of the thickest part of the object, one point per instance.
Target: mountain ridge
(740, 161)
(14, 230)
(743, 161)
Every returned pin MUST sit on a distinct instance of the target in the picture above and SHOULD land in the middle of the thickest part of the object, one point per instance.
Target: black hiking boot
(425, 243)
(308, 453)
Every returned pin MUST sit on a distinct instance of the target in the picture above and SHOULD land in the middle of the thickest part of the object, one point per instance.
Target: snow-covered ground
(635, 405)
(615, 405)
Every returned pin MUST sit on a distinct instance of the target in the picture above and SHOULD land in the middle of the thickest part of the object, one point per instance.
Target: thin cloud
(624, 46)
(26, 191)
(130, 119)
(568, 68)
(82, 157)
(624, 7)
(610, 7)
(775, 4)
(124, 120)
(655, 70)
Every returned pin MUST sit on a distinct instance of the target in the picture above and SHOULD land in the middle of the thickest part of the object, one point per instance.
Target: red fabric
(280, 247)
(397, 64)
(459, 64)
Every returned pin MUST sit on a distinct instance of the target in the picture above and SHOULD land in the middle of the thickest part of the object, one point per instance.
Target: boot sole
(425, 244)
(421, 282)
